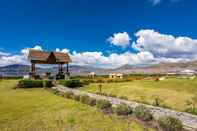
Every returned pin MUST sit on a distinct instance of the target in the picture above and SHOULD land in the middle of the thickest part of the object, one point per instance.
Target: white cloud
(8, 58)
(65, 50)
(26, 50)
(113, 60)
(120, 39)
(57, 50)
(4, 54)
(155, 2)
(152, 46)
(168, 46)
(14, 59)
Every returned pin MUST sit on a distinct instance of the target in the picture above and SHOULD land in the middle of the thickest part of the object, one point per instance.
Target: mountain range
(20, 70)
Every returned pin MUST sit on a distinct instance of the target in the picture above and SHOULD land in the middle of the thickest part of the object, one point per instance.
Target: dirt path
(189, 121)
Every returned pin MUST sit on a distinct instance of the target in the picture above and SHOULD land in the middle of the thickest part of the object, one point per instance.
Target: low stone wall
(189, 121)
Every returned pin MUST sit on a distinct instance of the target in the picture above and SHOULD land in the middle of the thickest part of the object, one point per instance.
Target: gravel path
(189, 121)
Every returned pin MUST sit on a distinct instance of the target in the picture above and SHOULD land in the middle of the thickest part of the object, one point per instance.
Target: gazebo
(43, 57)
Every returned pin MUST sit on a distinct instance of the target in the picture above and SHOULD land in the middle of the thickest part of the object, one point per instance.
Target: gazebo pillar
(33, 69)
(60, 68)
(67, 69)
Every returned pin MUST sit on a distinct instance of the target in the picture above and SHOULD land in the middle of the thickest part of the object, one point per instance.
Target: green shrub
(169, 123)
(30, 83)
(47, 83)
(123, 109)
(88, 100)
(112, 95)
(68, 94)
(76, 97)
(60, 76)
(192, 105)
(102, 93)
(102, 104)
(100, 81)
(85, 82)
(91, 101)
(191, 110)
(123, 97)
(84, 99)
(72, 83)
(143, 113)
(56, 92)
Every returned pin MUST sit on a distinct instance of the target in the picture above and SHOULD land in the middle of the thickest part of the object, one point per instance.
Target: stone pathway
(189, 121)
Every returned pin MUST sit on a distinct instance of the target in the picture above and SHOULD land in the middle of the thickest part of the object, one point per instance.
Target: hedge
(168, 123)
(123, 109)
(102, 104)
(143, 113)
(27, 83)
(72, 83)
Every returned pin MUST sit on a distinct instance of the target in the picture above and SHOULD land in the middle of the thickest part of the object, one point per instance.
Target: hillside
(20, 70)
(159, 68)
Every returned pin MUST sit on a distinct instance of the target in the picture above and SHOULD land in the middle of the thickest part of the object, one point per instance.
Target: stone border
(189, 121)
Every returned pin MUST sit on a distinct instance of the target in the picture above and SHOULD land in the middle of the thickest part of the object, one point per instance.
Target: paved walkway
(189, 121)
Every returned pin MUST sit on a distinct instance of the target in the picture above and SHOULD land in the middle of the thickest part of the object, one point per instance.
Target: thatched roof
(48, 57)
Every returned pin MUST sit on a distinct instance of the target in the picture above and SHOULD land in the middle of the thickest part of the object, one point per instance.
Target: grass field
(173, 92)
(40, 110)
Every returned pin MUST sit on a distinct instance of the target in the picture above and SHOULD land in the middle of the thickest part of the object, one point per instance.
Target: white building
(188, 72)
(113, 75)
(92, 74)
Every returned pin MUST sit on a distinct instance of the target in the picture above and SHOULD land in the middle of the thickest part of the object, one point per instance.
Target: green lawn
(40, 110)
(173, 92)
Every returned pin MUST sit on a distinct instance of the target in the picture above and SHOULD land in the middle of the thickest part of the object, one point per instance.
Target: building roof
(48, 57)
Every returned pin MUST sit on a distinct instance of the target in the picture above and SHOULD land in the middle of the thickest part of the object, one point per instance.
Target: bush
(143, 113)
(84, 99)
(85, 82)
(72, 83)
(56, 92)
(112, 95)
(169, 123)
(76, 97)
(30, 83)
(192, 105)
(68, 94)
(60, 76)
(27, 83)
(102, 104)
(123, 97)
(88, 100)
(47, 83)
(123, 109)
(91, 101)
(191, 110)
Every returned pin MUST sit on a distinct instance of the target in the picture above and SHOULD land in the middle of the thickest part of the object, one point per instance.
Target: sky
(100, 33)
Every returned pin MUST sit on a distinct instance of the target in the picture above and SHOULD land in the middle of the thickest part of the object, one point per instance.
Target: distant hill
(159, 68)
(14, 70)
(20, 70)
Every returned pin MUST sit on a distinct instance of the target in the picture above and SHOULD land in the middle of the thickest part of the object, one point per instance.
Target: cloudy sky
(100, 33)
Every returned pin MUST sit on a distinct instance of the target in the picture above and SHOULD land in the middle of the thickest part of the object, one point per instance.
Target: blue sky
(98, 29)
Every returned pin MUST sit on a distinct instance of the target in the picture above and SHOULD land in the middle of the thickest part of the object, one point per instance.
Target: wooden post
(33, 68)
(61, 68)
(67, 69)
